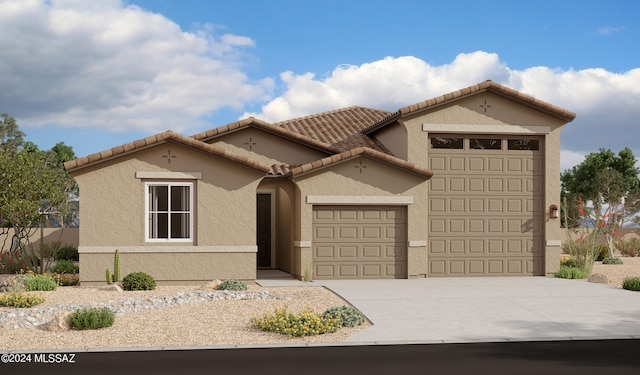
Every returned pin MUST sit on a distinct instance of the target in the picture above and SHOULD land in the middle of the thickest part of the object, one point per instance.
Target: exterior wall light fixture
(554, 213)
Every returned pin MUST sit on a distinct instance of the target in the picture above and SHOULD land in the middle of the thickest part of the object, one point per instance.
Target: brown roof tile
(364, 151)
(277, 130)
(167, 136)
(341, 128)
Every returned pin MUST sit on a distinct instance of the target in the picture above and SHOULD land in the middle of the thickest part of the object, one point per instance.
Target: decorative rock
(111, 288)
(59, 323)
(598, 278)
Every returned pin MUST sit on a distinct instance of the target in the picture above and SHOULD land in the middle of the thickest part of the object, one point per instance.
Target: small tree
(610, 183)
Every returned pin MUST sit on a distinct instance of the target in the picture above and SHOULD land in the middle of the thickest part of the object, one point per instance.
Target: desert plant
(109, 277)
(629, 247)
(116, 269)
(20, 300)
(306, 323)
(138, 281)
(68, 280)
(14, 262)
(348, 315)
(569, 262)
(65, 266)
(67, 253)
(566, 272)
(232, 284)
(12, 284)
(583, 251)
(92, 318)
(631, 283)
(612, 261)
(40, 282)
(308, 273)
(116, 266)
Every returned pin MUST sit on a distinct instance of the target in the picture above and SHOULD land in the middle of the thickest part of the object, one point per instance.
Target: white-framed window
(169, 211)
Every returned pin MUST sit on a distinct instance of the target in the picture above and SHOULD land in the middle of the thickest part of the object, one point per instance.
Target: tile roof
(362, 151)
(167, 136)
(270, 128)
(341, 128)
(490, 86)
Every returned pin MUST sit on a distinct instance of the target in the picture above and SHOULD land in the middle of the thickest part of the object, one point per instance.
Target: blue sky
(97, 74)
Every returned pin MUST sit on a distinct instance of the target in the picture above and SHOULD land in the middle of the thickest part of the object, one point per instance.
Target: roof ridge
(487, 85)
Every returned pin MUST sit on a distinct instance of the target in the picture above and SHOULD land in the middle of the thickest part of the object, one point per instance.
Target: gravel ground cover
(181, 316)
(193, 321)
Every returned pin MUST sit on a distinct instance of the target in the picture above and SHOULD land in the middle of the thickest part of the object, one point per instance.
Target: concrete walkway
(485, 309)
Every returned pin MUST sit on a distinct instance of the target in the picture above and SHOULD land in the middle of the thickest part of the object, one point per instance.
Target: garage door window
(523, 144)
(485, 144)
(447, 142)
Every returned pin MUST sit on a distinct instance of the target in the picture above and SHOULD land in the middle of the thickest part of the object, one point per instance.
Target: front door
(264, 230)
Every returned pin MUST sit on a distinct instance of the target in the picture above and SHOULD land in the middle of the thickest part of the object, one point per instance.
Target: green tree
(34, 187)
(11, 138)
(607, 181)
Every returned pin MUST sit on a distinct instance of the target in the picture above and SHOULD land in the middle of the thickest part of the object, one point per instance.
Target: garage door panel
(489, 247)
(484, 267)
(367, 242)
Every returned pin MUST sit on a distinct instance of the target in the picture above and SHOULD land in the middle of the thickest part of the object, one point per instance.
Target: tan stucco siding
(368, 187)
(394, 138)
(267, 148)
(113, 198)
(170, 268)
(554, 234)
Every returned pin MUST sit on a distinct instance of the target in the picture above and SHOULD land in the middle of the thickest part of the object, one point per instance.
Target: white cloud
(569, 159)
(606, 103)
(101, 64)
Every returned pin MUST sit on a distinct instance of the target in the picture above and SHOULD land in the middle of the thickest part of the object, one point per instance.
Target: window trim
(169, 184)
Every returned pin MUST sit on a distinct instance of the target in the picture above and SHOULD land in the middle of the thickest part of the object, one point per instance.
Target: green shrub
(138, 281)
(307, 323)
(232, 284)
(612, 261)
(92, 318)
(67, 253)
(68, 280)
(348, 315)
(65, 266)
(20, 300)
(631, 283)
(629, 247)
(40, 282)
(569, 262)
(566, 272)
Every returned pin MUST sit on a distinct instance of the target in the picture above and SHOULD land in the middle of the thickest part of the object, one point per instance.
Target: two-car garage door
(355, 242)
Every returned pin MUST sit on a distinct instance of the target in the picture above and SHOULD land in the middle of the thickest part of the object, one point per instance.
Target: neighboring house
(464, 184)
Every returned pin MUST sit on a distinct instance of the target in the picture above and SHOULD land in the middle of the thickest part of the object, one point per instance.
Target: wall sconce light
(554, 213)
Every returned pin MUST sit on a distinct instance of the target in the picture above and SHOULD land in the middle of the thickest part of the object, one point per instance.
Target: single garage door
(359, 242)
(486, 206)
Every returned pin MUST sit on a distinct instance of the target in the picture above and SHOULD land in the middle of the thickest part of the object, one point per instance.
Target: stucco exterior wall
(173, 268)
(267, 148)
(224, 214)
(369, 187)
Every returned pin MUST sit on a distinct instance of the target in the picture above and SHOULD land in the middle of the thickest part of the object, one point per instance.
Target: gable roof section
(357, 152)
(265, 126)
(167, 136)
(486, 86)
(341, 128)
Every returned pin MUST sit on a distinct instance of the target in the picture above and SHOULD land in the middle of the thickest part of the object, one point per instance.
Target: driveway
(489, 309)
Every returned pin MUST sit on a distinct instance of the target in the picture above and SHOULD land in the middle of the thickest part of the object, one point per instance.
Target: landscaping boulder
(111, 288)
(59, 323)
(598, 278)
(212, 285)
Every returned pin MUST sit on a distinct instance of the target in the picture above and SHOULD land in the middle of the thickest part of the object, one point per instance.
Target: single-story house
(464, 184)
